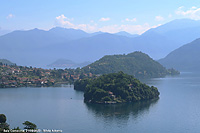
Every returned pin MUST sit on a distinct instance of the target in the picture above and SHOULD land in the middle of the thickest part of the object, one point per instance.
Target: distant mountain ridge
(39, 48)
(64, 63)
(123, 33)
(70, 34)
(160, 41)
(6, 62)
(3, 32)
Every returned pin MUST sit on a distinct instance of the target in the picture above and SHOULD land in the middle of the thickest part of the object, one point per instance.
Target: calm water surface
(177, 110)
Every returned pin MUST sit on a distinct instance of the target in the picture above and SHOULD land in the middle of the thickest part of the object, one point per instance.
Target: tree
(29, 125)
(3, 124)
(2, 118)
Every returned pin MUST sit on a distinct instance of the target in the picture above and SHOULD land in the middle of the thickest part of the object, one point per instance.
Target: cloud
(104, 19)
(131, 20)
(192, 13)
(65, 22)
(134, 29)
(170, 16)
(159, 18)
(10, 16)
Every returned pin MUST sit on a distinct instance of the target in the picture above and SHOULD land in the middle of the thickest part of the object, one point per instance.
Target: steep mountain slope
(153, 44)
(159, 41)
(185, 58)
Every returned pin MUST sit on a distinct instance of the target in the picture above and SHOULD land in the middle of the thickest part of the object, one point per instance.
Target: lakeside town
(23, 76)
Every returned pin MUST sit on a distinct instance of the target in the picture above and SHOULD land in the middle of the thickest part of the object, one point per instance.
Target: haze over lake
(176, 111)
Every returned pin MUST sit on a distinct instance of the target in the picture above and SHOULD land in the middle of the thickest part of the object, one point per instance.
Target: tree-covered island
(115, 88)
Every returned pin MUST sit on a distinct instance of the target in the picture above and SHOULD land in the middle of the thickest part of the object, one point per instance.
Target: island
(115, 88)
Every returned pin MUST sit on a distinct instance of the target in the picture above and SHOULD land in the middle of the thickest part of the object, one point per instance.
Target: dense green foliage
(138, 64)
(81, 84)
(115, 88)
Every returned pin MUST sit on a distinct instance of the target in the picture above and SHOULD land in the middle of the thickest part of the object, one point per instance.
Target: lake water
(62, 108)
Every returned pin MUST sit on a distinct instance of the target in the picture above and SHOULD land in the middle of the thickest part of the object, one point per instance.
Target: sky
(133, 16)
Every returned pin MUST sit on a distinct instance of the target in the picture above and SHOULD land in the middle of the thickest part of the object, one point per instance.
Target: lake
(62, 108)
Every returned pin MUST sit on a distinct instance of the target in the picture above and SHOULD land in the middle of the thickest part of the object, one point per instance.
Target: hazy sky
(133, 16)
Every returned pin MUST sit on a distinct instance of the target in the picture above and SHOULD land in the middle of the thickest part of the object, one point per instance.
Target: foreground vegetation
(29, 127)
(115, 88)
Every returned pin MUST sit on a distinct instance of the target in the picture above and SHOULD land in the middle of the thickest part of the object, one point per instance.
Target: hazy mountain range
(64, 63)
(40, 48)
(6, 62)
(3, 32)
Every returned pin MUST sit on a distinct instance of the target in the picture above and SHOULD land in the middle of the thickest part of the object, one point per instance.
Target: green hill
(115, 88)
(137, 64)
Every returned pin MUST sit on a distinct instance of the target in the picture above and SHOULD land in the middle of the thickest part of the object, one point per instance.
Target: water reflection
(120, 112)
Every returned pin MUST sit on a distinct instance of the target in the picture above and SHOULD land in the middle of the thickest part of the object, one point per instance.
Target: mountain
(38, 47)
(3, 32)
(93, 48)
(7, 62)
(70, 34)
(96, 33)
(22, 46)
(177, 24)
(160, 41)
(137, 63)
(64, 63)
(185, 58)
(123, 33)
